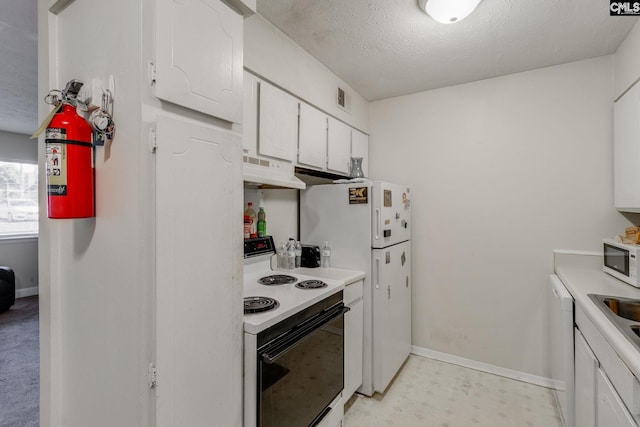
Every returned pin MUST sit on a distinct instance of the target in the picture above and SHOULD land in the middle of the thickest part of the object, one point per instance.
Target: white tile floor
(429, 393)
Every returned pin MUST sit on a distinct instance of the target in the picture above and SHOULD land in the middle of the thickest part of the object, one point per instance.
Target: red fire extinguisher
(70, 172)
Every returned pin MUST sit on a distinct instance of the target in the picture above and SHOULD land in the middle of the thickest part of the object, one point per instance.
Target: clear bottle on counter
(325, 255)
(251, 213)
(262, 223)
(291, 254)
(298, 251)
(282, 255)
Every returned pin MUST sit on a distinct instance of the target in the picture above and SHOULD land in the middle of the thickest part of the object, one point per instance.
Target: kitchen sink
(624, 313)
(629, 309)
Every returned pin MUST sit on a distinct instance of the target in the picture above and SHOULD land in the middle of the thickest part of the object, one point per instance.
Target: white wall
(271, 54)
(96, 274)
(502, 171)
(21, 255)
(281, 208)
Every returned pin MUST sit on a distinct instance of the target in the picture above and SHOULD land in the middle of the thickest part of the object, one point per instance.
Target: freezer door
(391, 283)
(391, 215)
(341, 215)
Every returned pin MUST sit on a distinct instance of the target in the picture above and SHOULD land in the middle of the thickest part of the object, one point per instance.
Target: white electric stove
(289, 298)
(293, 342)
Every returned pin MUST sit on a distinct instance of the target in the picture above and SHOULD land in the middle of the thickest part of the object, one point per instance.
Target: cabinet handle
(377, 275)
(388, 291)
(378, 225)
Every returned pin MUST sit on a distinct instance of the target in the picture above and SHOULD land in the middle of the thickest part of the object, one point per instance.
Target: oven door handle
(279, 348)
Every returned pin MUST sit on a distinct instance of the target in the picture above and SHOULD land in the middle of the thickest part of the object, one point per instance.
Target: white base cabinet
(586, 365)
(606, 391)
(353, 338)
(610, 409)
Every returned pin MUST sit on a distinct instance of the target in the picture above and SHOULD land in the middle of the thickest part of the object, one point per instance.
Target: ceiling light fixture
(448, 11)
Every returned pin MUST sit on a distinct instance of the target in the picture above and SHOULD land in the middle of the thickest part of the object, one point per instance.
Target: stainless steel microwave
(620, 261)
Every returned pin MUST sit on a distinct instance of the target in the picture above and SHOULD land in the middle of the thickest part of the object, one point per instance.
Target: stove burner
(311, 284)
(259, 304)
(277, 279)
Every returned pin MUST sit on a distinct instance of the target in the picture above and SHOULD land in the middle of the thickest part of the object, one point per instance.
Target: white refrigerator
(368, 226)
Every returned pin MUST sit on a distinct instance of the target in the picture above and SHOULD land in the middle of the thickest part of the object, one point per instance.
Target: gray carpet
(20, 365)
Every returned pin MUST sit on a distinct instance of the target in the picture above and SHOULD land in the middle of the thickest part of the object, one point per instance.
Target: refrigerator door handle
(378, 225)
(377, 276)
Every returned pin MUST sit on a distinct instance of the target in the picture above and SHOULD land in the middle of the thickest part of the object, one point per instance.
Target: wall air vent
(343, 100)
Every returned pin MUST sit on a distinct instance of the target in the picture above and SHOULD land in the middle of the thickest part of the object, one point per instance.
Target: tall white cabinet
(142, 305)
(198, 317)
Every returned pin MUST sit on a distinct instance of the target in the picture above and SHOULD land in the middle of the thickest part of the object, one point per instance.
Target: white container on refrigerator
(363, 222)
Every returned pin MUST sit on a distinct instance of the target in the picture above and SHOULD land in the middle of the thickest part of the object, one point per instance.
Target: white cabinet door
(199, 56)
(312, 139)
(198, 266)
(586, 365)
(392, 312)
(610, 409)
(338, 147)
(353, 339)
(278, 123)
(250, 114)
(360, 148)
(626, 151)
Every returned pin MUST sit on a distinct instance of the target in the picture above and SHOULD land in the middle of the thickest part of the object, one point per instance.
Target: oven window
(298, 385)
(616, 259)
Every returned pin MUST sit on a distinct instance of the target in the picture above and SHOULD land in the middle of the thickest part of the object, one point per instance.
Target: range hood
(262, 173)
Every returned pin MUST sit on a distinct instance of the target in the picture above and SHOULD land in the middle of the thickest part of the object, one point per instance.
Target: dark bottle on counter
(262, 223)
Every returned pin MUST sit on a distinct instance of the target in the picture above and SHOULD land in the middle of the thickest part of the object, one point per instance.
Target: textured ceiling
(386, 48)
(18, 66)
(381, 48)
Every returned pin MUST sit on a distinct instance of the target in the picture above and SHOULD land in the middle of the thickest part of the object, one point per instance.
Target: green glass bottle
(262, 223)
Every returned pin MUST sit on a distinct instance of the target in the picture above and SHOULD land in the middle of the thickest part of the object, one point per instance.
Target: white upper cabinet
(278, 123)
(250, 114)
(360, 148)
(199, 56)
(627, 62)
(312, 139)
(626, 151)
(338, 147)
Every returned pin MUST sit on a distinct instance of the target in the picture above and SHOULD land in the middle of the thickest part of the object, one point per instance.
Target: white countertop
(347, 277)
(583, 281)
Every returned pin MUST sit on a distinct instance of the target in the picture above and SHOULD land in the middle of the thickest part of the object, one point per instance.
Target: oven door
(301, 372)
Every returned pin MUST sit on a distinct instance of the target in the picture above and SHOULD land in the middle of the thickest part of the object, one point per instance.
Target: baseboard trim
(26, 292)
(484, 367)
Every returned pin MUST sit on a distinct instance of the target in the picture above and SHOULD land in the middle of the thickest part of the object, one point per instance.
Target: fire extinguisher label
(56, 162)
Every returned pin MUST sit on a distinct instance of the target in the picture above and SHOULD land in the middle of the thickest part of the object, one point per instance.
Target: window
(18, 199)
